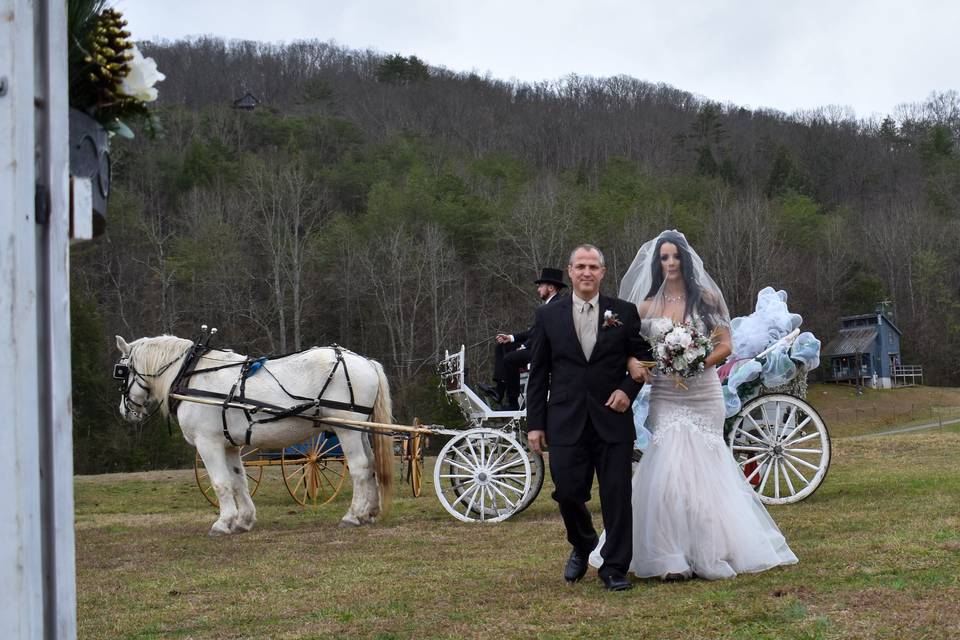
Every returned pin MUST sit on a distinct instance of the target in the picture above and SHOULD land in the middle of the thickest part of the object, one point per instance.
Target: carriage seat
(452, 370)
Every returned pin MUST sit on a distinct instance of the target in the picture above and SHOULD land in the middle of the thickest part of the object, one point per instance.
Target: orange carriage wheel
(415, 463)
(314, 470)
(252, 465)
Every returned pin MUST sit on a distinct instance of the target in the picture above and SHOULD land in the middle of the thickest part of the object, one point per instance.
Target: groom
(579, 357)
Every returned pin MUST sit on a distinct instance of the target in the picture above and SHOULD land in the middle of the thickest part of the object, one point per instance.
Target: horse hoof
(217, 531)
(349, 524)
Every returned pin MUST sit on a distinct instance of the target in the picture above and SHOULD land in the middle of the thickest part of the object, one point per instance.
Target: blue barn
(866, 351)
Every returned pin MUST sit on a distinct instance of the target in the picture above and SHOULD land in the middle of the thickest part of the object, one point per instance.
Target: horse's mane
(149, 355)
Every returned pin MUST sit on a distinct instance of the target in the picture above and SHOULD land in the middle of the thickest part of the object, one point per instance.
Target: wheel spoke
(459, 486)
(809, 436)
(509, 502)
(469, 492)
(797, 472)
(792, 450)
(786, 476)
(296, 487)
(462, 467)
(473, 452)
(456, 475)
(761, 430)
(463, 455)
(756, 470)
(518, 461)
(797, 428)
(742, 432)
(776, 479)
(766, 476)
(505, 452)
(473, 495)
(802, 461)
(506, 485)
(323, 452)
(754, 458)
(738, 447)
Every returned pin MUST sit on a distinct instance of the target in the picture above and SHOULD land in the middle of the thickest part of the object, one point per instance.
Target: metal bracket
(41, 204)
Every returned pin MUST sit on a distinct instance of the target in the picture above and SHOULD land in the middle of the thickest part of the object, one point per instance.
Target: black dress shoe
(576, 566)
(490, 391)
(616, 582)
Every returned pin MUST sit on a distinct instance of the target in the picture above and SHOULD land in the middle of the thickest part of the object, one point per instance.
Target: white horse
(152, 364)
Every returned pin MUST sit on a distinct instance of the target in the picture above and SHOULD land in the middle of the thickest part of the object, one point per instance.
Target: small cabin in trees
(866, 352)
(248, 102)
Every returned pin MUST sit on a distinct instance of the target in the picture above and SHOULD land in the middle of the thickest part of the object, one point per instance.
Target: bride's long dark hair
(705, 308)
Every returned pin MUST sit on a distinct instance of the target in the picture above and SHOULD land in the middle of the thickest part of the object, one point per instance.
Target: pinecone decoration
(107, 59)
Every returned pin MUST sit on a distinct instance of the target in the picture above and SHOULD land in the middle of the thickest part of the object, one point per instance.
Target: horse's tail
(382, 442)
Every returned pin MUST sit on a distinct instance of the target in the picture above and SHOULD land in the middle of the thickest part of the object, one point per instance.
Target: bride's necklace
(678, 298)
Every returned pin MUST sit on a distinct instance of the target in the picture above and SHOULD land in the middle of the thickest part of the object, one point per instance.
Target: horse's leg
(246, 511)
(215, 460)
(366, 501)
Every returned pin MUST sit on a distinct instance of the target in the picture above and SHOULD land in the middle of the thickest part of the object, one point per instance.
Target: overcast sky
(870, 55)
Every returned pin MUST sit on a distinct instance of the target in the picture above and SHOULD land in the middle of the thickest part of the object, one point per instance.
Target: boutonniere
(610, 319)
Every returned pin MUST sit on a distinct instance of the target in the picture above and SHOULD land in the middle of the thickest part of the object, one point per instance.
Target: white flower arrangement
(141, 78)
(681, 351)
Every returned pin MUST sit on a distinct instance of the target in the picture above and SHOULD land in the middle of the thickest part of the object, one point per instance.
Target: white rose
(662, 351)
(685, 340)
(679, 363)
(139, 81)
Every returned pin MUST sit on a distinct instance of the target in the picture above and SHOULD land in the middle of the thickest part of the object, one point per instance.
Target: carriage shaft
(355, 424)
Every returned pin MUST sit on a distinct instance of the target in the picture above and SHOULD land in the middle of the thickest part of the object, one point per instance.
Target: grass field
(879, 548)
(847, 414)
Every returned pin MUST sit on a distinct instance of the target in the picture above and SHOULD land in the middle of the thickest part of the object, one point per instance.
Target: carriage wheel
(482, 475)
(783, 447)
(413, 450)
(312, 473)
(537, 472)
(250, 457)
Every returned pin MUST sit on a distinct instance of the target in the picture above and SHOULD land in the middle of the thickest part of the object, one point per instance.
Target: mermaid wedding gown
(693, 510)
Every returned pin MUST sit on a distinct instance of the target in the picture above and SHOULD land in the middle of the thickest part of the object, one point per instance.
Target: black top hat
(551, 276)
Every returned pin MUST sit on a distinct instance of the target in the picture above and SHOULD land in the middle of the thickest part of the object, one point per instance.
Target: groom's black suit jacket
(579, 388)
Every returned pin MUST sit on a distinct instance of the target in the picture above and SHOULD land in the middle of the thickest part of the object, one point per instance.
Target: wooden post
(37, 561)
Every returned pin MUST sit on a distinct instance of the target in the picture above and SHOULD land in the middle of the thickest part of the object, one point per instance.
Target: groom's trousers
(572, 468)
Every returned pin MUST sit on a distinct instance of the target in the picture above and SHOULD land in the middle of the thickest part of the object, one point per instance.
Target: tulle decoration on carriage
(782, 366)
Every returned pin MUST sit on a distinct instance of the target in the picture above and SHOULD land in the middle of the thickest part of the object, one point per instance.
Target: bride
(694, 513)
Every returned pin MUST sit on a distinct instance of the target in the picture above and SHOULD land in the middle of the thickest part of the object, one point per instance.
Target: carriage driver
(513, 353)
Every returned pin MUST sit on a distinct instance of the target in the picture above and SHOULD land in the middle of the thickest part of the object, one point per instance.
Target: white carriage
(457, 468)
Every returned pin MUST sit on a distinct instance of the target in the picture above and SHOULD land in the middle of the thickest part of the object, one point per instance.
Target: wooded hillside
(400, 210)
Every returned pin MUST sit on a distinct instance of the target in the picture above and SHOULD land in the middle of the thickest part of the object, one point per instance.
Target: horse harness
(237, 393)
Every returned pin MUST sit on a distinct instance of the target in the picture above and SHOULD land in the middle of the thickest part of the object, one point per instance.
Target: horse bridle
(122, 371)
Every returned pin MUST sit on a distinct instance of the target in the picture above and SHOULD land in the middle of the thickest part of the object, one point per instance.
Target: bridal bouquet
(681, 351)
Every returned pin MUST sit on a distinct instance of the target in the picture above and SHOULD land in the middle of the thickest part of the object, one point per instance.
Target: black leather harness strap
(237, 393)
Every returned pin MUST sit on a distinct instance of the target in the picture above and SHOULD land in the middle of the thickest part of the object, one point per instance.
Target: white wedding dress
(693, 510)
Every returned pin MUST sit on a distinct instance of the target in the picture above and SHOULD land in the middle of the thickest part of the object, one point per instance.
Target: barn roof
(851, 341)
